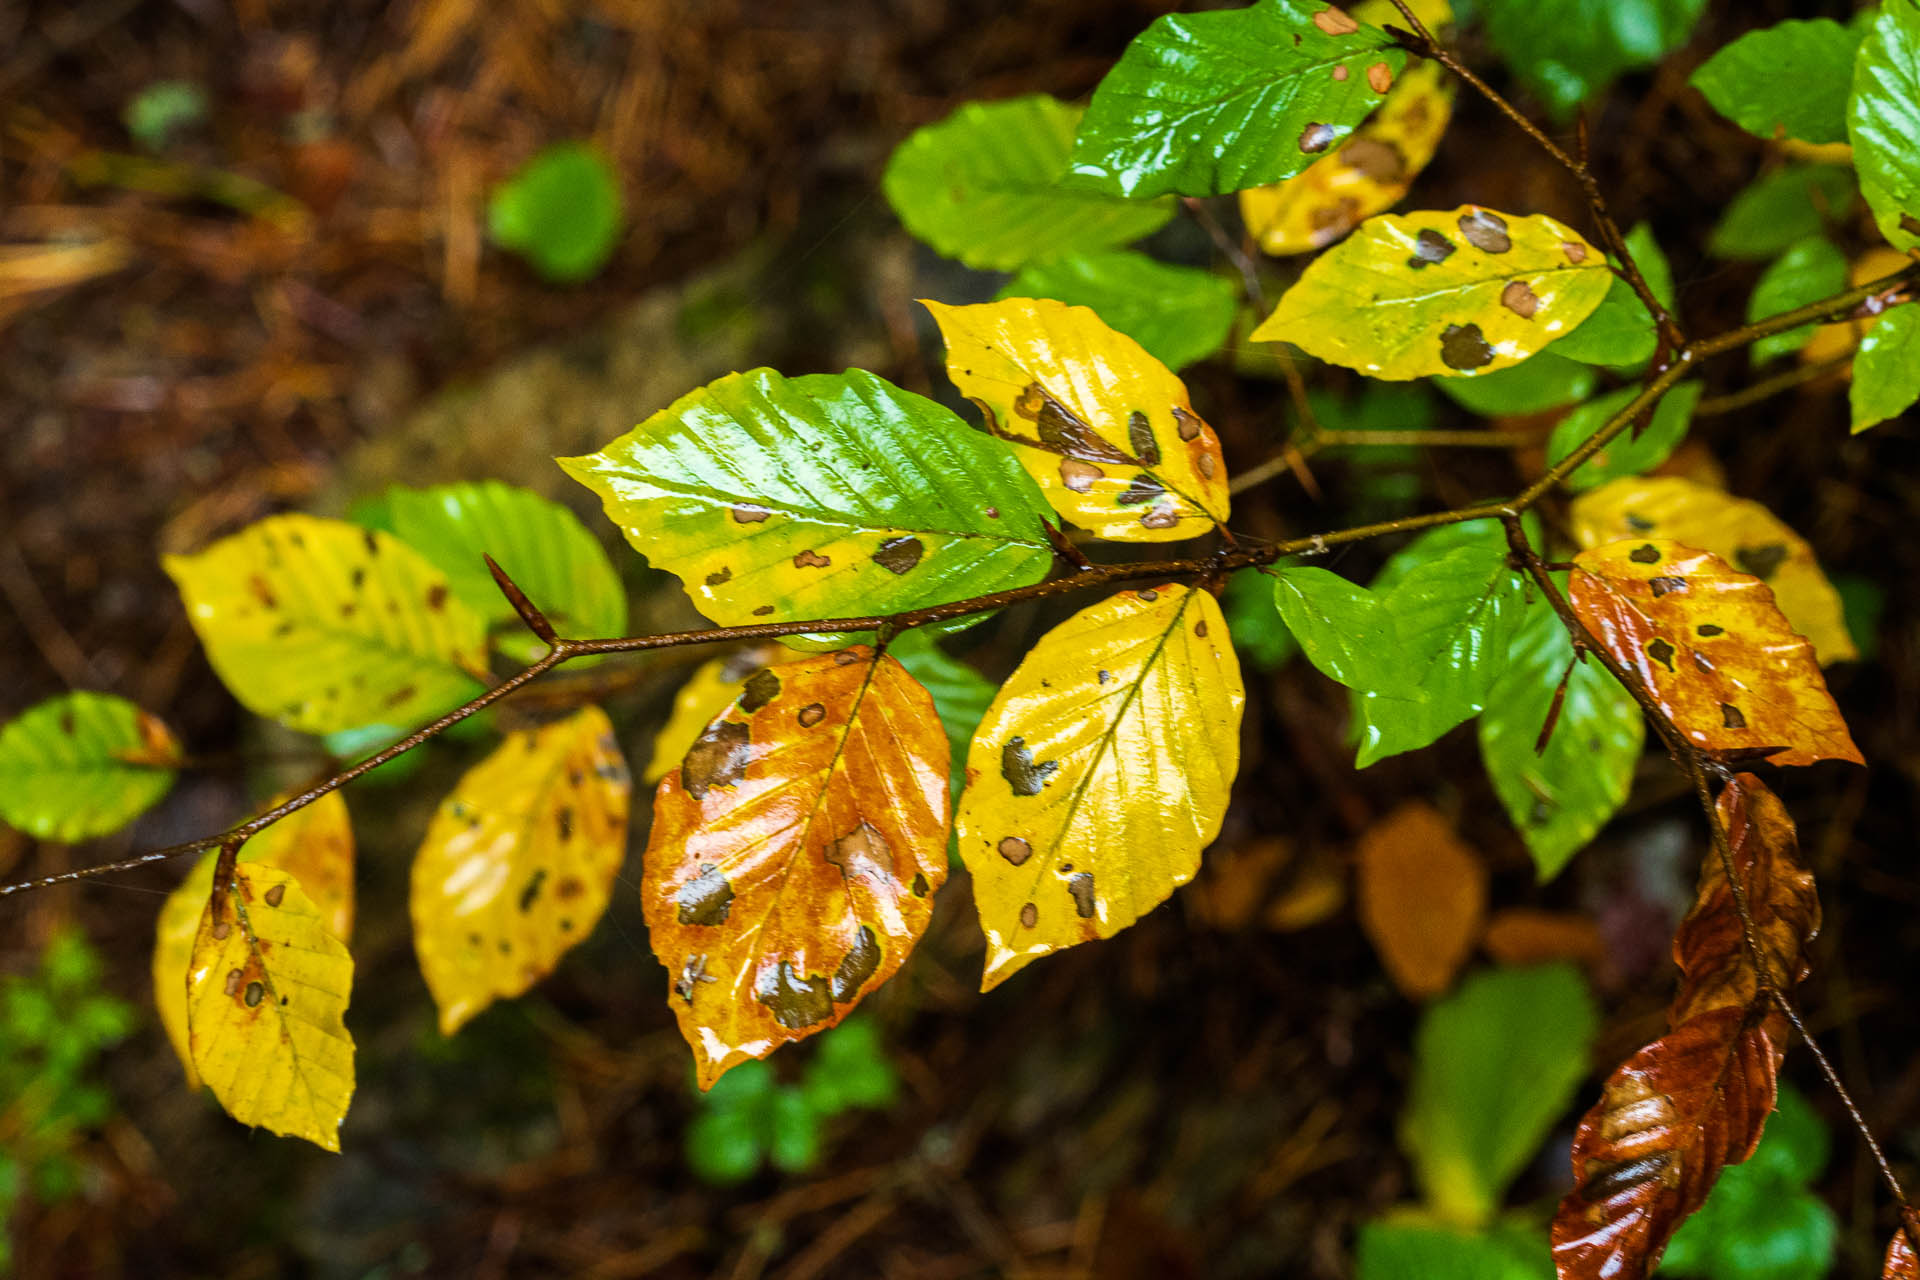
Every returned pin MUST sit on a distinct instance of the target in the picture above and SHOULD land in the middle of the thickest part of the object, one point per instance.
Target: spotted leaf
(795, 853)
(1368, 174)
(1713, 649)
(314, 845)
(518, 863)
(324, 626)
(1739, 531)
(1104, 428)
(1454, 294)
(710, 690)
(775, 499)
(1100, 773)
(83, 764)
(267, 989)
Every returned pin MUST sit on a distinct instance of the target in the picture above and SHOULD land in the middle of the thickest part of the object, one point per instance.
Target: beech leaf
(1178, 315)
(1886, 373)
(83, 764)
(710, 690)
(1883, 118)
(795, 853)
(1422, 896)
(1789, 79)
(1902, 1263)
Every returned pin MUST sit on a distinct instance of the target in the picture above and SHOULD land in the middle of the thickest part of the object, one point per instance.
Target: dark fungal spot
(358, 577)
(1077, 475)
(262, 592)
(1317, 137)
(1205, 466)
(571, 888)
(1486, 231)
(1029, 915)
(749, 515)
(717, 759)
(1023, 773)
(1200, 628)
(1162, 516)
(403, 694)
(437, 596)
(1186, 424)
(1762, 562)
(706, 899)
(899, 555)
(1709, 629)
(1519, 298)
(531, 892)
(846, 658)
(1430, 247)
(1149, 595)
(373, 543)
(347, 609)
(1140, 439)
(763, 611)
(563, 823)
(857, 966)
(812, 714)
(276, 895)
(761, 688)
(920, 885)
(1639, 524)
(1143, 489)
(506, 948)
(232, 986)
(720, 576)
(255, 992)
(1105, 675)
(807, 559)
(1730, 716)
(1080, 885)
(1378, 160)
(1061, 430)
(1463, 346)
(861, 851)
(1646, 554)
(794, 1001)
(220, 930)
(1661, 652)
(1015, 850)
(1665, 585)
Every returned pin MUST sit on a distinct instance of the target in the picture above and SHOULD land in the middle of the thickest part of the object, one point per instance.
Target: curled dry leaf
(518, 863)
(795, 853)
(1902, 1263)
(1422, 896)
(1712, 648)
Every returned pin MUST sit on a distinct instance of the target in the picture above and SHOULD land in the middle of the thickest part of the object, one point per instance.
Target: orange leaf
(1519, 936)
(1901, 1262)
(1714, 650)
(1422, 894)
(795, 853)
(1669, 1119)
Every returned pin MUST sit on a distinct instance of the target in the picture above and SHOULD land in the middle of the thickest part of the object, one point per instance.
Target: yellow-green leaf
(1448, 293)
(518, 863)
(83, 764)
(267, 990)
(324, 626)
(713, 685)
(1739, 531)
(1100, 773)
(1105, 428)
(314, 845)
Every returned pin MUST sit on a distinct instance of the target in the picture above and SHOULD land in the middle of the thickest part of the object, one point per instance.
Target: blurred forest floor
(296, 305)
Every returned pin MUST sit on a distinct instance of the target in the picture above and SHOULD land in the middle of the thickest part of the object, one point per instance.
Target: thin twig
(1767, 388)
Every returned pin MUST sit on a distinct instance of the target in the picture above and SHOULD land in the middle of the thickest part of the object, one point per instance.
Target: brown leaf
(1901, 1264)
(1668, 1120)
(1519, 936)
(1422, 894)
(1714, 650)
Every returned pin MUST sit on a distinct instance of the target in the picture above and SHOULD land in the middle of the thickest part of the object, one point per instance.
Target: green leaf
(542, 546)
(1789, 80)
(1883, 120)
(961, 695)
(1559, 798)
(1624, 455)
(1779, 209)
(562, 212)
(775, 499)
(1886, 372)
(1209, 103)
(793, 1132)
(1410, 1250)
(81, 765)
(1179, 314)
(1809, 271)
(163, 109)
(1567, 51)
(984, 186)
(1259, 636)
(1621, 332)
(724, 1145)
(850, 1069)
(326, 626)
(1495, 1065)
(1540, 382)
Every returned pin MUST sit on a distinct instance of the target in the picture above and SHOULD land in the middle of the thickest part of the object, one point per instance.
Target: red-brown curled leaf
(1713, 649)
(1902, 1264)
(1669, 1119)
(795, 853)
(1716, 967)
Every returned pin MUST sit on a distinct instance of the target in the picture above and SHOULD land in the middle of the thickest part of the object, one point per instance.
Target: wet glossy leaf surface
(775, 498)
(984, 186)
(1621, 332)
(267, 990)
(1713, 649)
(1902, 1263)
(1779, 209)
(1883, 119)
(1441, 293)
(1100, 773)
(1789, 79)
(711, 688)
(1367, 174)
(1807, 272)
(1422, 895)
(795, 853)
(314, 845)
(961, 695)
(1739, 531)
(1104, 428)
(325, 626)
(83, 764)
(1178, 314)
(519, 862)
(1210, 103)
(1886, 373)
(1626, 454)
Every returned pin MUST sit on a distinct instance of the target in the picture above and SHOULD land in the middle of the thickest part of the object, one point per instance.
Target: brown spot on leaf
(857, 966)
(1061, 430)
(1205, 466)
(255, 991)
(812, 714)
(1335, 22)
(1105, 675)
(232, 986)
(693, 971)
(1378, 160)
(1149, 595)
(763, 687)
(720, 576)
(1187, 423)
(1077, 475)
(1144, 488)
(403, 694)
(846, 658)
(1161, 517)
(1080, 885)
(749, 515)
(1200, 628)
(1317, 137)
(531, 892)
(1661, 586)
(262, 592)
(276, 895)
(1702, 662)
(1486, 231)
(563, 823)
(571, 888)
(1140, 439)
(1709, 629)
(220, 930)
(899, 555)
(763, 611)
(717, 759)
(1379, 77)
(1648, 554)
(437, 596)
(1024, 774)
(706, 899)
(795, 1001)
(1430, 247)
(1029, 915)
(1730, 716)
(808, 560)
(1639, 524)
(1015, 850)
(1341, 72)
(920, 885)
(1762, 562)
(860, 849)
(1463, 346)
(1519, 298)
(1576, 253)
(373, 543)
(1661, 652)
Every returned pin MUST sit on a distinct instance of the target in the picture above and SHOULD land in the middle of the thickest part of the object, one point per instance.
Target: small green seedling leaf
(82, 765)
(562, 212)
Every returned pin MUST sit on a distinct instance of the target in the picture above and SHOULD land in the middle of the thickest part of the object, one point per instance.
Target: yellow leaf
(1104, 428)
(1368, 174)
(314, 845)
(795, 853)
(324, 626)
(714, 683)
(1099, 773)
(1743, 533)
(267, 991)
(1447, 294)
(518, 863)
